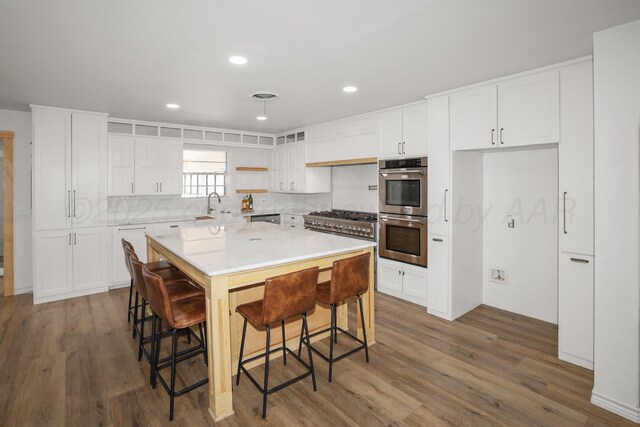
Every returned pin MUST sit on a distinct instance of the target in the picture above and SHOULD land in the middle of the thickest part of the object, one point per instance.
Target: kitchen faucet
(209, 209)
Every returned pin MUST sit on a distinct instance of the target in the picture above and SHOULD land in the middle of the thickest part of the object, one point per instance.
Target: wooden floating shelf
(251, 191)
(362, 161)
(249, 169)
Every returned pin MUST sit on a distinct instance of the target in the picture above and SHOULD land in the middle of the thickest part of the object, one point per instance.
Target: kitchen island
(231, 264)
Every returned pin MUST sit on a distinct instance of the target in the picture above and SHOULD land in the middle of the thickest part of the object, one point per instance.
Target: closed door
(414, 130)
(88, 142)
(121, 167)
(415, 283)
(134, 235)
(89, 258)
(171, 167)
(575, 309)
(53, 272)
(389, 276)
(52, 169)
(391, 133)
(575, 157)
(147, 167)
(473, 115)
(529, 110)
(439, 196)
(438, 274)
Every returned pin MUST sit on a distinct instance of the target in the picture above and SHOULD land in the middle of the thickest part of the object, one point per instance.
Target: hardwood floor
(74, 363)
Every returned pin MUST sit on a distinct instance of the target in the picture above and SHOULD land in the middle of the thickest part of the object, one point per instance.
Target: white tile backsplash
(350, 188)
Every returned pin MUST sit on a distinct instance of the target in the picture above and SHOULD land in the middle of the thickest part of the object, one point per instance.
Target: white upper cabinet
(391, 133)
(575, 157)
(474, 118)
(515, 112)
(291, 175)
(121, 166)
(89, 169)
(145, 166)
(438, 153)
(69, 168)
(403, 132)
(529, 110)
(51, 169)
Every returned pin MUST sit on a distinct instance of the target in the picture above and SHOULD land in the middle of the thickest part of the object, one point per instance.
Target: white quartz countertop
(217, 215)
(230, 249)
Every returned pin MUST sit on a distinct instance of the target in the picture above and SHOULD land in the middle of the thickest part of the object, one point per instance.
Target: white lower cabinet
(70, 263)
(575, 309)
(438, 274)
(404, 281)
(134, 234)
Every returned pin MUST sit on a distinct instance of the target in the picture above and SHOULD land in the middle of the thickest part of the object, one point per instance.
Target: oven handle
(384, 172)
(386, 218)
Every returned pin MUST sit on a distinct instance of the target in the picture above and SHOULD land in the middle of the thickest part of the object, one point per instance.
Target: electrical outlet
(499, 275)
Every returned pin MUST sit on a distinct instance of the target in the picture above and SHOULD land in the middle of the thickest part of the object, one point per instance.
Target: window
(204, 171)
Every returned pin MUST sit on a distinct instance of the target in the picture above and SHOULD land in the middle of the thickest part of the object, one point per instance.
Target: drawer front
(293, 219)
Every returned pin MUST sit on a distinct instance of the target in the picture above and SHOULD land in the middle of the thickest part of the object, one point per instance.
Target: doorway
(6, 139)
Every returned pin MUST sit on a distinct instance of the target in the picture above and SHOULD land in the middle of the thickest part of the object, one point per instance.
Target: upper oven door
(403, 191)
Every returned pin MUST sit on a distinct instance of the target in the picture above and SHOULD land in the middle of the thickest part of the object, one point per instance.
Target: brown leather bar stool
(349, 278)
(177, 289)
(155, 266)
(285, 296)
(178, 315)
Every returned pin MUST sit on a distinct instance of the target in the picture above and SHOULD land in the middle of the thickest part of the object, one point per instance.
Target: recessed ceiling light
(238, 60)
(173, 106)
(349, 89)
(261, 117)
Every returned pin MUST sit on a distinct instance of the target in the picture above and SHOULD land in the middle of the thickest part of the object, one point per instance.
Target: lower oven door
(404, 238)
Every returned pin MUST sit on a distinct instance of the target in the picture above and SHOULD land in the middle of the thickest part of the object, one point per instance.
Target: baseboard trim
(588, 364)
(619, 408)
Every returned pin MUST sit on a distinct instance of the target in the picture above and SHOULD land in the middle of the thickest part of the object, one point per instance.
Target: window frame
(209, 187)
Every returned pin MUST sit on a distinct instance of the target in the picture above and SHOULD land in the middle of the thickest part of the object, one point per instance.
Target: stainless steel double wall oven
(403, 210)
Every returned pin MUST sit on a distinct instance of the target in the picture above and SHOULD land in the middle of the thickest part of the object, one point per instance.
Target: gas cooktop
(361, 225)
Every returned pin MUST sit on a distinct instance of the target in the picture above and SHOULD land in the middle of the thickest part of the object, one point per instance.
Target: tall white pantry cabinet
(561, 112)
(69, 203)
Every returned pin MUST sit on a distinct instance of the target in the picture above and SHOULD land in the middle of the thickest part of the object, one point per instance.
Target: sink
(204, 218)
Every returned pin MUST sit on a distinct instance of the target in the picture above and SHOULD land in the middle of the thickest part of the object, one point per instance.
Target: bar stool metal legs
(264, 389)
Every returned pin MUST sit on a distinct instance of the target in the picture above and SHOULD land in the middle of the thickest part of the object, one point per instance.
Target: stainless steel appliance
(403, 186)
(272, 218)
(403, 238)
(360, 225)
(403, 210)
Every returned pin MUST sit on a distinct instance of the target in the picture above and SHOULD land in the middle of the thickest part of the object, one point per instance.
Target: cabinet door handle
(69, 205)
(445, 205)
(74, 203)
(161, 187)
(399, 272)
(135, 228)
(132, 188)
(493, 132)
(564, 212)
(403, 273)
(501, 140)
(403, 152)
(580, 260)
(75, 238)
(174, 226)
(280, 186)
(399, 148)
(436, 239)
(69, 239)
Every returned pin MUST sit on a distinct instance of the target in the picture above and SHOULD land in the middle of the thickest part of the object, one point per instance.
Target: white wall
(617, 220)
(522, 185)
(350, 188)
(20, 123)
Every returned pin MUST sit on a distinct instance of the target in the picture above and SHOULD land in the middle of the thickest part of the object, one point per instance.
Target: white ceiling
(130, 58)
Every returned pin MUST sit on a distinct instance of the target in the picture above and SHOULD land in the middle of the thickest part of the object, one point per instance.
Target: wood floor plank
(74, 362)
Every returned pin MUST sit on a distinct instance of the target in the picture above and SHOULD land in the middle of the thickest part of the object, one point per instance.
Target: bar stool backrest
(138, 279)
(289, 295)
(126, 245)
(349, 277)
(158, 297)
